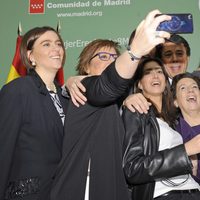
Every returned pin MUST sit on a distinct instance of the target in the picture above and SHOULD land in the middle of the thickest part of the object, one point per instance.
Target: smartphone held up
(180, 23)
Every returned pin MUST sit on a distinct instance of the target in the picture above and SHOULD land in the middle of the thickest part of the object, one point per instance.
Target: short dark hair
(177, 39)
(28, 41)
(178, 77)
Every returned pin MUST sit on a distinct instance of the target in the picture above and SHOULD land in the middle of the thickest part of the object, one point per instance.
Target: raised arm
(113, 83)
(145, 39)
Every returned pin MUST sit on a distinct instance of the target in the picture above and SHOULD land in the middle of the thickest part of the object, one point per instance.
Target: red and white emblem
(36, 6)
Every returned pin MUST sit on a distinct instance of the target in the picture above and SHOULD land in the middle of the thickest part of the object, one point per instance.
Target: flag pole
(17, 68)
(60, 73)
(19, 29)
(58, 27)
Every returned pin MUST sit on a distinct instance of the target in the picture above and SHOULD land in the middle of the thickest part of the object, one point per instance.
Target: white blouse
(170, 138)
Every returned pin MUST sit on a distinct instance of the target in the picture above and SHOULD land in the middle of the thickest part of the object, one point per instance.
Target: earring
(33, 63)
(176, 104)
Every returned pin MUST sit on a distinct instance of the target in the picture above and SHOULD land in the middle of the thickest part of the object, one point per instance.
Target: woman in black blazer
(31, 120)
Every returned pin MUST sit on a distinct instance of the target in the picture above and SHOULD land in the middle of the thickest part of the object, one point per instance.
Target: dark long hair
(168, 108)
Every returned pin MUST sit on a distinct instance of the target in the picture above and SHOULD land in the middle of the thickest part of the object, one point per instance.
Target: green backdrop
(82, 21)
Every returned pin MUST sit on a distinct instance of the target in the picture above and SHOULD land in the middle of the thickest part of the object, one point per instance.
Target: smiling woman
(156, 163)
(90, 59)
(43, 53)
(31, 120)
(186, 92)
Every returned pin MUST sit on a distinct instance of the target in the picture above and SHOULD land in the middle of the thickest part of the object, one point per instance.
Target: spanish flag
(60, 76)
(17, 69)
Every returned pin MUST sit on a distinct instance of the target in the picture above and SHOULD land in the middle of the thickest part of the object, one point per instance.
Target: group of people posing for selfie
(125, 128)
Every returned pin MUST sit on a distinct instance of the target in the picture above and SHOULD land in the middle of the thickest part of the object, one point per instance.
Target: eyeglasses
(105, 56)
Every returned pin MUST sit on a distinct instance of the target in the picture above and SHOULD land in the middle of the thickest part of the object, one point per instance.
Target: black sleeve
(10, 121)
(107, 88)
(142, 167)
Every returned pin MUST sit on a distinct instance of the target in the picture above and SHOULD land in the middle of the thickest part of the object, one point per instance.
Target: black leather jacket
(142, 162)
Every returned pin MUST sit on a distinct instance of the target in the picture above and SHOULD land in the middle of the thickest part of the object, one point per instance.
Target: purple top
(188, 133)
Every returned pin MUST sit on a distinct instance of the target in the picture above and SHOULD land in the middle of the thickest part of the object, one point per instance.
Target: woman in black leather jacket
(156, 162)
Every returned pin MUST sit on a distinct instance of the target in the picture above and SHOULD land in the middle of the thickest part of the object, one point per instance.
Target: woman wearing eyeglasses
(94, 59)
(90, 59)
(91, 165)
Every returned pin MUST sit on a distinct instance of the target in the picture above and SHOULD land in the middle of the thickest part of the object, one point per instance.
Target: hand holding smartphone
(180, 23)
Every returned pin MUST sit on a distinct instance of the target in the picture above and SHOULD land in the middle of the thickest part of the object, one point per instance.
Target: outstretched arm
(145, 39)
(113, 83)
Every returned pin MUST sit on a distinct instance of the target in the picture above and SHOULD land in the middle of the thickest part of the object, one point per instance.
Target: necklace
(52, 88)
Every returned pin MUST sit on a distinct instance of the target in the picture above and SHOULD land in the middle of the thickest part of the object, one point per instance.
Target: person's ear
(88, 69)
(176, 103)
(30, 56)
(140, 86)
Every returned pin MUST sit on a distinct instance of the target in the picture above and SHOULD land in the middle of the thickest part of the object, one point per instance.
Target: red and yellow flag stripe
(17, 69)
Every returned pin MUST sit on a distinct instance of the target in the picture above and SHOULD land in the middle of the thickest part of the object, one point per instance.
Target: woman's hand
(192, 147)
(76, 89)
(146, 36)
(145, 39)
(137, 102)
(194, 161)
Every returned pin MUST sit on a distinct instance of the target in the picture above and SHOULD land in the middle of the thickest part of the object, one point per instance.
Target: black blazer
(31, 134)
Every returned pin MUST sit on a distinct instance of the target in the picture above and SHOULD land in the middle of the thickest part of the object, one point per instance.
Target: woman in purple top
(186, 93)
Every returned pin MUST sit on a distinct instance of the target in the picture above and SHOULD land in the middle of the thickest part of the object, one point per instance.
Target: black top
(94, 131)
